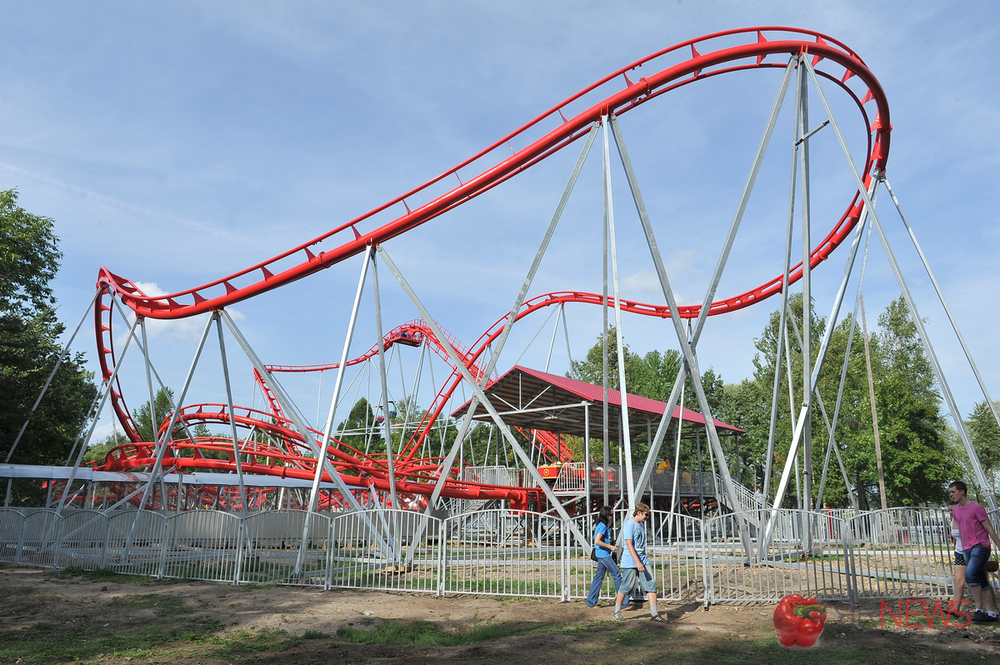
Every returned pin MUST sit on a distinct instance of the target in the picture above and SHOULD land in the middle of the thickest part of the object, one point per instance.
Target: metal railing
(830, 554)
(572, 478)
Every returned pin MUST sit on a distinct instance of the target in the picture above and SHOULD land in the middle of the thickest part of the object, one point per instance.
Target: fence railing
(572, 478)
(830, 555)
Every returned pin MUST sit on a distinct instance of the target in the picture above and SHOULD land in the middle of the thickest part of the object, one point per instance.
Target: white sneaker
(619, 616)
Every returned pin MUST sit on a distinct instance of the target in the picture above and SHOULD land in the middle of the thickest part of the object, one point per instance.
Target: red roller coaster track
(671, 68)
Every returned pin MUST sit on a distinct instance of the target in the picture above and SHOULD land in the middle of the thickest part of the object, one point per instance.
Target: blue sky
(177, 143)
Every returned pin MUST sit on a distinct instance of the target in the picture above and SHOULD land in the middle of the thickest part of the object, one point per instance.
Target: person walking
(635, 564)
(958, 595)
(976, 532)
(604, 550)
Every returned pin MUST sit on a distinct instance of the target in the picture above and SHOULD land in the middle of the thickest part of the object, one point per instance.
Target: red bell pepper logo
(799, 620)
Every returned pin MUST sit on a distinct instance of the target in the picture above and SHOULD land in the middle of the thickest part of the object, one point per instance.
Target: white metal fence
(830, 555)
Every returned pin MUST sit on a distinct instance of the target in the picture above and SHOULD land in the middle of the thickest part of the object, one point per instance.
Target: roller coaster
(248, 505)
(277, 443)
(278, 446)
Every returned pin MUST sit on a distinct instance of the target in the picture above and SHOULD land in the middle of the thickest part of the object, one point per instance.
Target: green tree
(143, 421)
(361, 430)
(985, 437)
(911, 427)
(98, 452)
(143, 416)
(916, 453)
(591, 368)
(743, 405)
(29, 347)
(651, 375)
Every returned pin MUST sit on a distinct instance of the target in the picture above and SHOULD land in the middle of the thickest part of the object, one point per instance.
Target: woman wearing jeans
(605, 562)
(976, 532)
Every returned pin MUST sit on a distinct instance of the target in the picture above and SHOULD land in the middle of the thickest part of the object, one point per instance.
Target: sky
(177, 143)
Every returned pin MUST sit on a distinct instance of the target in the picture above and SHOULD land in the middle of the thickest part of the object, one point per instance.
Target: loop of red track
(308, 258)
(268, 275)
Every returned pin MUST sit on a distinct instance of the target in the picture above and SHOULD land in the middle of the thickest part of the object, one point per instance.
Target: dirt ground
(53, 617)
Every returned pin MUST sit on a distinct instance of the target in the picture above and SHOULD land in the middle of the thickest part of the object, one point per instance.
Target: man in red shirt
(976, 531)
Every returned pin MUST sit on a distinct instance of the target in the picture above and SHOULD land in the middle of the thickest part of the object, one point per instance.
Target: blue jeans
(604, 566)
(975, 572)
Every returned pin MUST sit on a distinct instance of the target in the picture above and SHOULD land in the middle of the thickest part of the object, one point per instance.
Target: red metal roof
(595, 394)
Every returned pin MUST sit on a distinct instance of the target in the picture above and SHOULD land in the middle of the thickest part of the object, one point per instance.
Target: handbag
(593, 555)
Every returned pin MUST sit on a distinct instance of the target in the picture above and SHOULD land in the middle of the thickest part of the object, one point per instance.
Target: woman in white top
(959, 594)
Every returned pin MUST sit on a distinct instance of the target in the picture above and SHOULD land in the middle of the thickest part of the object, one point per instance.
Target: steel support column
(478, 391)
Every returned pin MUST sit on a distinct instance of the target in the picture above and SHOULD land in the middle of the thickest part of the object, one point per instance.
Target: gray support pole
(828, 335)
(605, 413)
(727, 248)
(806, 345)
(502, 340)
(478, 390)
(871, 395)
(710, 295)
(232, 416)
(143, 346)
(944, 303)
(701, 482)
(677, 448)
(569, 351)
(148, 364)
(830, 427)
(586, 453)
(686, 346)
(649, 440)
(414, 390)
(956, 415)
(847, 357)
(322, 455)
(293, 414)
(782, 324)
(942, 381)
(394, 534)
(52, 375)
(552, 342)
(93, 422)
(626, 430)
(161, 444)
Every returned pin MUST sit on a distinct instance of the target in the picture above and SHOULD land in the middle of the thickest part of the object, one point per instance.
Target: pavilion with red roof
(533, 399)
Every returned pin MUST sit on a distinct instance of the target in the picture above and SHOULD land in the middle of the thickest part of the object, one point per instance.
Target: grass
(420, 633)
(113, 576)
(102, 575)
(314, 635)
(231, 646)
(115, 634)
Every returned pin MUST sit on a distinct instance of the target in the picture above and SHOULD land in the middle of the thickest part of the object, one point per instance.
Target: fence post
(61, 521)
(20, 540)
(564, 555)
(331, 546)
(164, 544)
(107, 537)
(442, 555)
(706, 565)
(240, 535)
(853, 596)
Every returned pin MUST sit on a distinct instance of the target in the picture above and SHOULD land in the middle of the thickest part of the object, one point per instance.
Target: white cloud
(186, 329)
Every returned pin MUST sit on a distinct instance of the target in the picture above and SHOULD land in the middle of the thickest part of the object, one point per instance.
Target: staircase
(744, 497)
